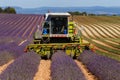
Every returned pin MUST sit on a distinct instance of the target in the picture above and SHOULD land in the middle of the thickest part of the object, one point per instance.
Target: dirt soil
(3, 67)
(43, 70)
(88, 75)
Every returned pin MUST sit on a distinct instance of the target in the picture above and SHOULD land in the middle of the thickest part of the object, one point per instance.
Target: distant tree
(75, 13)
(102, 15)
(78, 13)
(9, 10)
(84, 13)
(1, 10)
(114, 15)
(91, 14)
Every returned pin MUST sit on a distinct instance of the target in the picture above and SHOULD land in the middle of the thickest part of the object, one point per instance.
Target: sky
(59, 3)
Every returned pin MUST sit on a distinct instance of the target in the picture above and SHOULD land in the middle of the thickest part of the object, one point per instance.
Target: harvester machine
(58, 32)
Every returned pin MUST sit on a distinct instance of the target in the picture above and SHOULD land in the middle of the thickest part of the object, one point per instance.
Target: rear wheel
(87, 47)
(51, 52)
(74, 57)
(71, 55)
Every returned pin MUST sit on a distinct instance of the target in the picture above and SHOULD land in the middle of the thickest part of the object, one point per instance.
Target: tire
(48, 56)
(74, 57)
(87, 48)
(51, 52)
(71, 55)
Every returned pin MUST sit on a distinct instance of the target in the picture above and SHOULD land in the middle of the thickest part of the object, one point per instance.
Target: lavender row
(8, 46)
(64, 68)
(23, 68)
(104, 68)
(10, 50)
(5, 57)
(19, 25)
(11, 45)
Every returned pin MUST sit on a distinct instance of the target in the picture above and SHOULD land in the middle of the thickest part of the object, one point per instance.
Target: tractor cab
(56, 23)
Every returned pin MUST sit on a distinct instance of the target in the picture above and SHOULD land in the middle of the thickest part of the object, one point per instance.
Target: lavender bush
(103, 67)
(64, 68)
(23, 68)
(11, 45)
(5, 57)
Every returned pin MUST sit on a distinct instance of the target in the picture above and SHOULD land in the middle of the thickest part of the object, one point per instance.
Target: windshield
(59, 25)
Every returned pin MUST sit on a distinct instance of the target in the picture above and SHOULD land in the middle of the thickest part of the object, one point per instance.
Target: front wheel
(74, 57)
(87, 47)
(48, 55)
(71, 55)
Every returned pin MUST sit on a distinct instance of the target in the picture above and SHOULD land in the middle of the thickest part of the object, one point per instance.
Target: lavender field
(19, 25)
(64, 68)
(104, 68)
(16, 31)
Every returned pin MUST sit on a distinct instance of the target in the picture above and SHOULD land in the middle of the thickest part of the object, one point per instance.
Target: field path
(43, 70)
(3, 67)
(88, 75)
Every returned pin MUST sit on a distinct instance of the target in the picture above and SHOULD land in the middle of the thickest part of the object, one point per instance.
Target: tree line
(8, 10)
(89, 14)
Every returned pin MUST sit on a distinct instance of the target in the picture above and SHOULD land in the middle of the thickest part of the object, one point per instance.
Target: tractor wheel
(74, 57)
(48, 56)
(71, 55)
(51, 52)
(87, 48)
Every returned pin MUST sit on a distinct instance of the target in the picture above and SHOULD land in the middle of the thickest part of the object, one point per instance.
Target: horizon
(62, 7)
(62, 3)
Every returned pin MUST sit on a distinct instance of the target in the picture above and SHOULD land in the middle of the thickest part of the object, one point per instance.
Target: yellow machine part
(72, 49)
(71, 29)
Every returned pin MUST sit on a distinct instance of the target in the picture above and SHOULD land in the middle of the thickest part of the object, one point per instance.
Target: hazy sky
(58, 3)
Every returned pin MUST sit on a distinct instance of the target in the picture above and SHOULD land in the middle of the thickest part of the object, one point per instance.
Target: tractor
(58, 32)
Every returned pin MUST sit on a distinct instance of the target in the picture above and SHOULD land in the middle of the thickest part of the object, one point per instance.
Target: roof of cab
(56, 14)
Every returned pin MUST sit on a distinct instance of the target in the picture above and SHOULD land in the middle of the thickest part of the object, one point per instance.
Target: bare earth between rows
(43, 72)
